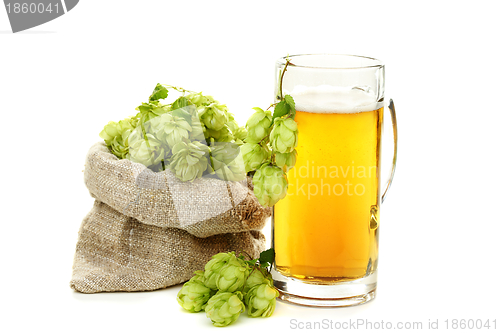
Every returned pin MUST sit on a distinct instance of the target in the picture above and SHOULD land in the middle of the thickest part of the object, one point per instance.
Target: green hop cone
(224, 308)
(115, 135)
(283, 137)
(189, 160)
(220, 135)
(256, 277)
(227, 162)
(145, 149)
(214, 115)
(270, 184)
(194, 295)
(232, 275)
(286, 161)
(171, 129)
(258, 125)
(240, 134)
(261, 300)
(213, 267)
(253, 155)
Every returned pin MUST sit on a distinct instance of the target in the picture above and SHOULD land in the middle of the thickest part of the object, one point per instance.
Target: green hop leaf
(213, 267)
(253, 155)
(281, 109)
(270, 184)
(284, 135)
(232, 275)
(189, 160)
(267, 256)
(258, 125)
(194, 295)
(291, 104)
(286, 161)
(224, 308)
(160, 92)
(261, 300)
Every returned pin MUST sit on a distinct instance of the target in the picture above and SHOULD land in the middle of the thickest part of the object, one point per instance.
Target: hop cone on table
(270, 184)
(258, 125)
(232, 275)
(255, 278)
(194, 295)
(284, 135)
(213, 267)
(224, 308)
(261, 300)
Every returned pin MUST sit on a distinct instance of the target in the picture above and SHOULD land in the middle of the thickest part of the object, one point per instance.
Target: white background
(62, 81)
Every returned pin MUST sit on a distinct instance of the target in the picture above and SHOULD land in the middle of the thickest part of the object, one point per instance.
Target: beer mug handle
(395, 132)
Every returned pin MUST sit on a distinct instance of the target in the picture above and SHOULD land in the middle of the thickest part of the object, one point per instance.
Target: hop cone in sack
(170, 129)
(261, 300)
(147, 149)
(227, 162)
(189, 160)
(224, 308)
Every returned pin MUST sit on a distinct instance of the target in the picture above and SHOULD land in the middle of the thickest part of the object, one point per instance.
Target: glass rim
(377, 64)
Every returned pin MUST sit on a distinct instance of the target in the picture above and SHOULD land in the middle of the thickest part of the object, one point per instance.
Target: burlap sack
(148, 230)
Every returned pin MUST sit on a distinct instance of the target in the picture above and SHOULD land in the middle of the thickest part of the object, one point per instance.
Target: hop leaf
(224, 308)
(270, 184)
(258, 125)
(284, 135)
(261, 300)
(253, 155)
(160, 92)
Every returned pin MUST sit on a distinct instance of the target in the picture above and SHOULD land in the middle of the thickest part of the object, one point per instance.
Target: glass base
(337, 294)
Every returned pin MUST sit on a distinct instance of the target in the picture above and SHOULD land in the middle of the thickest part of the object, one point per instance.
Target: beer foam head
(330, 99)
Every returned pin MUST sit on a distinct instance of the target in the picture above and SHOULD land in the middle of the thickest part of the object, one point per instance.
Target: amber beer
(326, 228)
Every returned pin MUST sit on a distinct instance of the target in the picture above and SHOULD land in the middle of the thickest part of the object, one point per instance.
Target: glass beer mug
(325, 231)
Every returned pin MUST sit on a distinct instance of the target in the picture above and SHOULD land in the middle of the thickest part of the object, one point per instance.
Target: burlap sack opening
(148, 230)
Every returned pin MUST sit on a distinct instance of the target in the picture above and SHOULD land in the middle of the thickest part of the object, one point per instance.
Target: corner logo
(26, 14)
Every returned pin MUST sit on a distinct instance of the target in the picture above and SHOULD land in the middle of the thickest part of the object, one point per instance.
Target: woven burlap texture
(148, 230)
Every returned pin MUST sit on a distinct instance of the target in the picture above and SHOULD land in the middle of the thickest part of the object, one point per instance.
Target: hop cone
(286, 161)
(214, 115)
(283, 137)
(261, 300)
(232, 275)
(194, 295)
(116, 135)
(227, 162)
(240, 134)
(270, 184)
(189, 160)
(221, 135)
(146, 150)
(258, 125)
(213, 267)
(224, 308)
(253, 155)
(255, 278)
(170, 129)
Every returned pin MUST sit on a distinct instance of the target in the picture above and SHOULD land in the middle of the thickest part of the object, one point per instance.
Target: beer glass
(325, 231)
